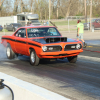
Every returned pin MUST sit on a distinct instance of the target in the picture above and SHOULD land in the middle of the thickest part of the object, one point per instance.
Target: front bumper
(61, 54)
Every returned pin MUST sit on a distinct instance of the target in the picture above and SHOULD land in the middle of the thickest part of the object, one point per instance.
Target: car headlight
(50, 48)
(44, 48)
(78, 46)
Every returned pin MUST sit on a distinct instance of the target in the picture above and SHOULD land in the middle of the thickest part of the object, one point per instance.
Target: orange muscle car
(40, 42)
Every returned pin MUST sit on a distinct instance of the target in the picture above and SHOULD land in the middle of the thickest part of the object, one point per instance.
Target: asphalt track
(79, 81)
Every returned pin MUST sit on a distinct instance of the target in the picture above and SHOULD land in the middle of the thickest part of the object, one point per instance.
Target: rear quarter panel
(8, 39)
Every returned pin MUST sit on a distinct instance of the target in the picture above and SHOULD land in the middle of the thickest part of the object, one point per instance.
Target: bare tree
(59, 8)
(68, 9)
(1, 4)
(90, 13)
(16, 6)
(85, 6)
(31, 4)
(22, 5)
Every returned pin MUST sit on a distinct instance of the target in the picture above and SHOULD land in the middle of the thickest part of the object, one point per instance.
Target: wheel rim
(8, 52)
(32, 57)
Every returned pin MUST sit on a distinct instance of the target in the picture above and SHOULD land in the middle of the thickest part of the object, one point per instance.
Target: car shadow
(42, 61)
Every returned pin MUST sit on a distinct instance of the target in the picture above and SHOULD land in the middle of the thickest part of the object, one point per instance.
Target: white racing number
(34, 30)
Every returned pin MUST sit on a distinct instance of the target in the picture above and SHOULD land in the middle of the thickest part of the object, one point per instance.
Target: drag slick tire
(34, 59)
(9, 52)
(72, 59)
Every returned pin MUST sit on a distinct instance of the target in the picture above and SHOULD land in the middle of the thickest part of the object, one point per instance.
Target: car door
(8, 27)
(20, 41)
(11, 27)
(97, 23)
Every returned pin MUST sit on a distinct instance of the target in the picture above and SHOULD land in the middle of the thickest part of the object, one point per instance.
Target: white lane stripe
(32, 88)
(89, 58)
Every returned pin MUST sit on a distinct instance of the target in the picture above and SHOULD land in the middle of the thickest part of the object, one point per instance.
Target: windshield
(42, 32)
(16, 24)
(34, 21)
(93, 20)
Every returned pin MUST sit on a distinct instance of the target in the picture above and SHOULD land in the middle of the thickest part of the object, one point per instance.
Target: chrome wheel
(32, 57)
(8, 52)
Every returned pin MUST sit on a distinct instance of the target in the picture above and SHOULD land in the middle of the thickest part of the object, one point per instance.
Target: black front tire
(34, 59)
(72, 59)
(9, 52)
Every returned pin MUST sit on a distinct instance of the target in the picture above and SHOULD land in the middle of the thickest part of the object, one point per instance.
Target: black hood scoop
(56, 39)
(50, 40)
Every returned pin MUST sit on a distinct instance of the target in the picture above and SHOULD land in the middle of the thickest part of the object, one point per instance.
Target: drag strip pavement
(79, 81)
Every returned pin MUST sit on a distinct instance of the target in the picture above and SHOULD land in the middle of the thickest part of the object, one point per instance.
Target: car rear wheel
(9, 52)
(72, 59)
(34, 59)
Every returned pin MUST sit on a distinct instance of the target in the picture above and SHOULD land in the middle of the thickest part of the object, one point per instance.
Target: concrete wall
(27, 91)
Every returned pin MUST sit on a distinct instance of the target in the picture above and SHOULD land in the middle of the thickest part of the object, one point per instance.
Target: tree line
(59, 8)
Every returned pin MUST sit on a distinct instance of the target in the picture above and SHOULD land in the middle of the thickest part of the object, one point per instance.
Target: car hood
(53, 40)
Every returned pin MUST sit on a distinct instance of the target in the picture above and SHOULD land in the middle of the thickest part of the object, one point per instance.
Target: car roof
(37, 26)
(15, 23)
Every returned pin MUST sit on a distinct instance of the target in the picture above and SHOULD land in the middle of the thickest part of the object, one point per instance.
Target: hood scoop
(55, 39)
(50, 40)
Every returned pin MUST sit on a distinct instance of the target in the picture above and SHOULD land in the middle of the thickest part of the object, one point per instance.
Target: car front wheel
(72, 59)
(34, 59)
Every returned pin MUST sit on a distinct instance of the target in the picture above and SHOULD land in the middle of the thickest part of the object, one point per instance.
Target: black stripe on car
(34, 45)
(22, 42)
(9, 39)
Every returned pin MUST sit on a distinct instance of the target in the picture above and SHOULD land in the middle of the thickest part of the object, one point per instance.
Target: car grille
(54, 48)
(72, 47)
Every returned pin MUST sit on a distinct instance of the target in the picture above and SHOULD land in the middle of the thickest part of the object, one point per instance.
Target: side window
(21, 33)
(97, 21)
(53, 31)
